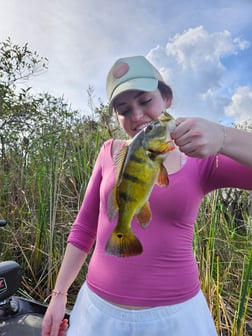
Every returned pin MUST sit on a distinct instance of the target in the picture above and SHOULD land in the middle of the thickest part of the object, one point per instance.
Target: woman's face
(136, 108)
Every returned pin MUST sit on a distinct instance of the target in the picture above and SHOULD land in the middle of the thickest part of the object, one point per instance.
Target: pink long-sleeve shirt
(166, 272)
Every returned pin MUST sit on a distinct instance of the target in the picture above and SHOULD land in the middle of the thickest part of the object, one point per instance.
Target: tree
(25, 117)
(16, 108)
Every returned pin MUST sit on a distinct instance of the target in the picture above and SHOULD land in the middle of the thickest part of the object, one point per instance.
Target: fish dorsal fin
(112, 204)
(119, 160)
(163, 179)
(144, 215)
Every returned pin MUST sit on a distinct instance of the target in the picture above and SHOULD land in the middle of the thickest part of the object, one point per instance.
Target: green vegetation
(223, 249)
(47, 152)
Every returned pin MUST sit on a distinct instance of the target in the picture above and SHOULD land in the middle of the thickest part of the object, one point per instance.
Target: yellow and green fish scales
(139, 167)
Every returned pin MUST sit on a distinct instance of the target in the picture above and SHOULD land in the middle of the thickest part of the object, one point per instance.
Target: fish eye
(149, 128)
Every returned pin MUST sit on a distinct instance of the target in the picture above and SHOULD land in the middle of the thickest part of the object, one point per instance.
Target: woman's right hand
(54, 323)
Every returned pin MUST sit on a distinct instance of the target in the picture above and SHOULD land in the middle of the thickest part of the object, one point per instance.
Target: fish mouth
(141, 127)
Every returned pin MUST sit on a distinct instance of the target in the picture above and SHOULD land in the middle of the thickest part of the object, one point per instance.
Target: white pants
(93, 316)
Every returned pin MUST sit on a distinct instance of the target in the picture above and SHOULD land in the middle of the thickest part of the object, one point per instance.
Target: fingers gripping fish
(139, 166)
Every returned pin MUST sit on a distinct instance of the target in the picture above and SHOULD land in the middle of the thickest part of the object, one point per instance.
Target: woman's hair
(165, 90)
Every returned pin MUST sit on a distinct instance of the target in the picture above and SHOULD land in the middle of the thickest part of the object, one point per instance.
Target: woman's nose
(137, 114)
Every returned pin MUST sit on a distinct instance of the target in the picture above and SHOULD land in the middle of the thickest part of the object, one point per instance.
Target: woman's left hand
(198, 137)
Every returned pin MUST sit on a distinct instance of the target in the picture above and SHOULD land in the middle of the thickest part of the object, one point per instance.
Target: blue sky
(202, 48)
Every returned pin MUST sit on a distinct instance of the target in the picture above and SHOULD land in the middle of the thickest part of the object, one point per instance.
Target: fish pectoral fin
(123, 244)
(163, 179)
(144, 215)
(167, 146)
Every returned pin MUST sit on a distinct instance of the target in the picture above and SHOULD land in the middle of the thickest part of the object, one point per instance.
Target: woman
(156, 292)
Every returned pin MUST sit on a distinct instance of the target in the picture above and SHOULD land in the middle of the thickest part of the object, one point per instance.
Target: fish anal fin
(163, 179)
(144, 215)
(123, 244)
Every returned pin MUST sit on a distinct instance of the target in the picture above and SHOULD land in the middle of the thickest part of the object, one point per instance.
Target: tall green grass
(224, 253)
(40, 197)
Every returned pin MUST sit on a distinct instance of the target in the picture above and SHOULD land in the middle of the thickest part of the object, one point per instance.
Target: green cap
(131, 73)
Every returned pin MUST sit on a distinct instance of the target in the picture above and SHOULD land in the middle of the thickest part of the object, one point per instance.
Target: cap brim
(141, 84)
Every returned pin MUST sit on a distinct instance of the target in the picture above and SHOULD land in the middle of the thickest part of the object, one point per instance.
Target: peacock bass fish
(139, 166)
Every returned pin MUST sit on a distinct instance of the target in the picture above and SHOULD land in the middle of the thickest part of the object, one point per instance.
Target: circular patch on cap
(120, 69)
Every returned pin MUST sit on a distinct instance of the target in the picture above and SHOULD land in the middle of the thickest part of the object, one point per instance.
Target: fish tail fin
(123, 244)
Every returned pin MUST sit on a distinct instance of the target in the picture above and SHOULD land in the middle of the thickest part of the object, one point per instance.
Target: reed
(223, 253)
(40, 198)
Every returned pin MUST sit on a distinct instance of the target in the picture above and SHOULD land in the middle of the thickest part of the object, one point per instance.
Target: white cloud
(196, 47)
(83, 38)
(192, 63)
(241, 104)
